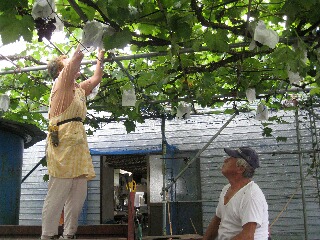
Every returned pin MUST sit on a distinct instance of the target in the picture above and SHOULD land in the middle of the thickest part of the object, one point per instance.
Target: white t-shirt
(247, 205)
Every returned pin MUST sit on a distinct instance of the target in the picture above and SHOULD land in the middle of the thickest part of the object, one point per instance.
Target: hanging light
(4, 102)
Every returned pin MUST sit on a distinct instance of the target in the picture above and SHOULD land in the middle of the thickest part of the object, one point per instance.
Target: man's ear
(241, 169)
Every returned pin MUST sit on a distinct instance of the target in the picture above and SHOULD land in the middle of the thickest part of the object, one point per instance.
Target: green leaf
(181, 25)
(12, 28)
(69, 13)
(35, 93)
(147, 28)
(43, 162)
(172, 27)
(119, 3)
(127, 86)
(89, 11)
(196, 45)
(45, 178)
(281, 139)
(267, 132)
(229, 111)
(217, 42)
(277, 119)
(118, 13)
(266, 124)
(283, 54)
(184, 30)
(117, 40)
(89, 132)
(24, 78)
(130, 125)
(11, 4)
(315, 91)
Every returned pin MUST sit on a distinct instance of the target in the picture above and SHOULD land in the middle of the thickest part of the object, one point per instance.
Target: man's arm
(212, 230)
(247, 232)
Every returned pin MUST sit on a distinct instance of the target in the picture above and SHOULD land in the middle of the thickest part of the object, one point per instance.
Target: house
(289, 156)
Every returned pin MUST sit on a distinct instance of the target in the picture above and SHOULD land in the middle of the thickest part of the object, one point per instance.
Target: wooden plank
(84, 231)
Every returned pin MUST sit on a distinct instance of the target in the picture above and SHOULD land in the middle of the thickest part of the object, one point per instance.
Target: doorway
(146, 170)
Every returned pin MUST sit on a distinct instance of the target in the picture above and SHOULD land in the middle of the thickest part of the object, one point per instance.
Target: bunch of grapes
(45, 27)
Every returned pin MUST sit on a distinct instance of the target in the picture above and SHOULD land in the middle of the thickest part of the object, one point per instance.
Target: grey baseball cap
(246, 153)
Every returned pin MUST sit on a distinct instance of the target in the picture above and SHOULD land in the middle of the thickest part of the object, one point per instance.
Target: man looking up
(242, 211)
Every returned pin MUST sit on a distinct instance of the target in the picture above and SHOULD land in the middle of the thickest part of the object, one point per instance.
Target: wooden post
(131, 214)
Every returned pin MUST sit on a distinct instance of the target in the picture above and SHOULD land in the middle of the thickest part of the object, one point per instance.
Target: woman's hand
(78, 53)
(100, 55)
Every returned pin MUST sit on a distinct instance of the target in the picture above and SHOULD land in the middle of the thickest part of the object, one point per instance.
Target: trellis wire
(174, 180)
(315, 144)
(301, 176)
(115, 58)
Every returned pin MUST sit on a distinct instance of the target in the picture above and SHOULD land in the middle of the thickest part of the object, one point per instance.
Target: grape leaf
(117, 40)
(217, 42)
(130, 125)
(6, 5)
(12, 28)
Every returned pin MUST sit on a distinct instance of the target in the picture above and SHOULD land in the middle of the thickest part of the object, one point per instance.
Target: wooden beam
(87, 231)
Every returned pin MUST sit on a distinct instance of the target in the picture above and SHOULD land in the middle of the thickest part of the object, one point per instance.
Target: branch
(78, 10)
(17, 57)
(104, 17)
(154, 41)
(311, 28)
(198, 12)
(215, 65)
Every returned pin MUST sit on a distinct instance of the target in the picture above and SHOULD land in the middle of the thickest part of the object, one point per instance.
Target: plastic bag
(183, 111)
(94, 92)
(4, 102)
(43, 9)
(92, 35)
(59, 24)
(129, 97)
(262, 112)
(251, 94)
(265, 36)
(294, 77)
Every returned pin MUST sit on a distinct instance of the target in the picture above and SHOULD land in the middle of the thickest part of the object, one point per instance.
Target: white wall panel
(278, 176)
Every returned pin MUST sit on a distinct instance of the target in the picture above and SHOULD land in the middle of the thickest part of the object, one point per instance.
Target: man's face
(229, 166)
